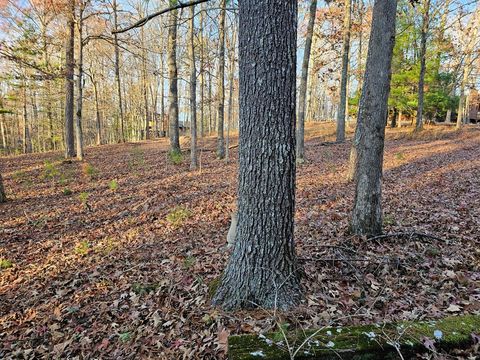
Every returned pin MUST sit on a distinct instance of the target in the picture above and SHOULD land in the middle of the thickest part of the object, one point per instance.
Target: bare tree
(303, 83)
(117, 71)
(221, 83)
(342, 108)
(173, 82)
(423, 68)
(370, 133)
(193, 92)
(69, 82)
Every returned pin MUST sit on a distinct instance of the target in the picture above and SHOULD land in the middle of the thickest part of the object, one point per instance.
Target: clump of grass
(141, 289)
(50, 171)
(113, 185)
(67, 192)
(178, 215)
(400, 156)
(82, 248)
(389, 220)
(89, 171)
(125, 337)
(83, 197)
(188, 262)
(5, 264)
(175, 157)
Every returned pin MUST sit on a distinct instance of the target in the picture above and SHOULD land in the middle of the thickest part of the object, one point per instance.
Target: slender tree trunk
(210, 111)
(117, 73)
(162, 98)
(230, 93)
(361, 11)
(193, 92)
(461, 100)
(3, 196)
(2, 130)
(202, 75)
(27, 143)
(98, 122)
(78, 118)
(394, 118)
(173, 83)
(221, 83)
(370, 134)
(347, 24)
(262, 270)
(145, 85)
(303, 83)
(69, 84)
(423, 51)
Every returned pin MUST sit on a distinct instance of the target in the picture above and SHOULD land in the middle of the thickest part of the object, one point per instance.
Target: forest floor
(112, 258)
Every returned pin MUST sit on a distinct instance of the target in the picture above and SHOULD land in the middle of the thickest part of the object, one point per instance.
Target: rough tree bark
(3, 197)
(423, 51)
(173, 83)
(221, 83)
(342, 108)
(69, 83)
(370, 134)
(117, 72)
(303, 83)
(262, 270)
(193, 92)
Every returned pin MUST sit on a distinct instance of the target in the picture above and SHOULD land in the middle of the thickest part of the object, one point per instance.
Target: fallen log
(400, 340)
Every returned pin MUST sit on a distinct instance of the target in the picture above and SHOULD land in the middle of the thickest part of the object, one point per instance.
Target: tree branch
(146, 19)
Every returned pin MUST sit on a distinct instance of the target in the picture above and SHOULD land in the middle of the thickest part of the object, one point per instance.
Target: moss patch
(359, 342)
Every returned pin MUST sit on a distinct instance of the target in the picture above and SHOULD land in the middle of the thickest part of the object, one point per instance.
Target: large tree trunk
(78, 118)
(117, 72)
(342, 108)
(370, 134)
(221, 83)
(303, 83)
(423, 50)
(3, 197)
(173, 83)
(193, 93)
(69, 83)
(262, 270)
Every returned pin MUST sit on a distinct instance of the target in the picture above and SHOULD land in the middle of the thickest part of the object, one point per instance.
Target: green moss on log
(369, 342)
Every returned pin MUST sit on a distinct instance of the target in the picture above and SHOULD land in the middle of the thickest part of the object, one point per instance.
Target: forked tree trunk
(342, 108)
(262, 270)
(370, 134)
(221, 84)
(173, 83)
(69, 83)
(193, 93)
(303, 83)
